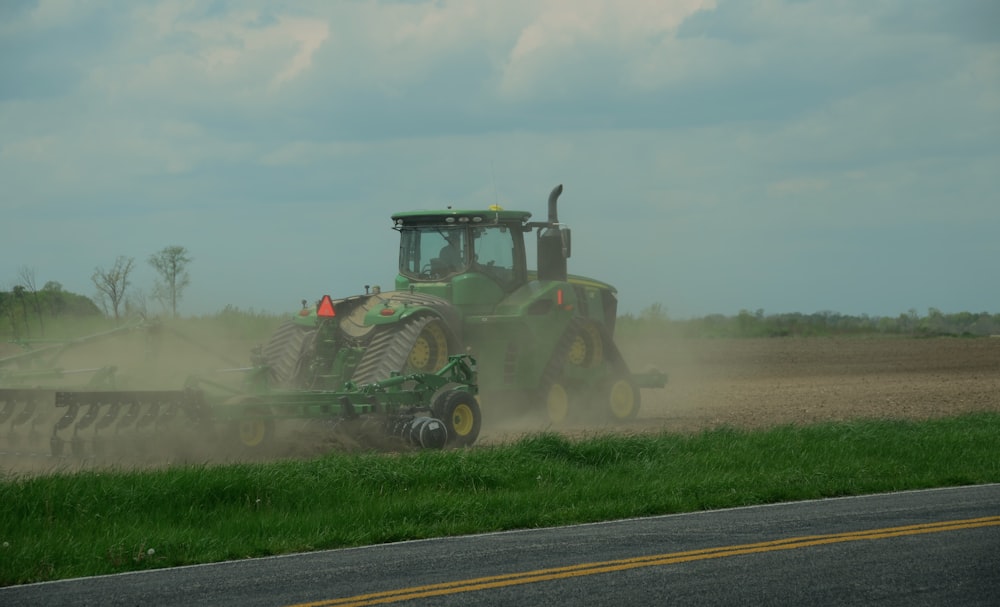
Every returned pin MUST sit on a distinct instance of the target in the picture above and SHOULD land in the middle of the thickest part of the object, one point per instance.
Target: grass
(96, 522)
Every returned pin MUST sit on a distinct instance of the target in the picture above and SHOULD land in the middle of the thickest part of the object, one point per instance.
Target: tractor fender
(397, 306)
(541, 298)
(307, 317)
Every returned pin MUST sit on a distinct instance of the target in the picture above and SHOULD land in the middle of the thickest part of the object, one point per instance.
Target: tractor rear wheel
(579, 347)
(284, 353)
(430, 350)
(587, 348)
(459, 410)
(414, 345)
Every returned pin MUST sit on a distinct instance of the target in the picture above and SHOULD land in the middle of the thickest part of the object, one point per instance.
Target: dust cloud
(741, 383)
(155, 357)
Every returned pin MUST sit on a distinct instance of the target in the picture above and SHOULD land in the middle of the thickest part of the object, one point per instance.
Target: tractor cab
(476, 258)
(472, 258)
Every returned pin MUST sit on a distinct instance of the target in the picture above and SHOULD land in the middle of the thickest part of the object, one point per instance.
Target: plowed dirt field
(759, 383)
(764, 382)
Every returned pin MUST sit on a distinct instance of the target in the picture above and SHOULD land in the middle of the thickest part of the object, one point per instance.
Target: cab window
(432, 253)
(494, 254)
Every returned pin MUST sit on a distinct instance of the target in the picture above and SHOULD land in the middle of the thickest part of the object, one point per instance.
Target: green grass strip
(96, 522)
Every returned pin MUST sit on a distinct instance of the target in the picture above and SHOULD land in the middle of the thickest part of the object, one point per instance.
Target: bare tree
(136, 304)
(112, 285)
(6, 308)
(18, 292)
(26, 275)
(171, 264)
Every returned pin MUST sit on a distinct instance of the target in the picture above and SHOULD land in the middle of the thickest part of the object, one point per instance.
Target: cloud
(690, 135)
(309, 35)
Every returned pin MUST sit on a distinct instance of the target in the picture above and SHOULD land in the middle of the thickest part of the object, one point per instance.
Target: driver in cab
(450, 258)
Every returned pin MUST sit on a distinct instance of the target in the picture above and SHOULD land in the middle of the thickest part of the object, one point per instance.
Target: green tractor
(543, 338)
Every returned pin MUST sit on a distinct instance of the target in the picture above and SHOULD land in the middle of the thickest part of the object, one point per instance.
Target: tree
(171, 263)
(112, 285)
(27, 277)
(55, 297)
(19, 292)
(136, 304)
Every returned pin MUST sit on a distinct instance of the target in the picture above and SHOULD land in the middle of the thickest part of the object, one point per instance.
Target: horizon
(717, 156)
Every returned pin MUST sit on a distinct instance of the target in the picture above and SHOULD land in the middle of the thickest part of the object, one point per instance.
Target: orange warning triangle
(325, 308)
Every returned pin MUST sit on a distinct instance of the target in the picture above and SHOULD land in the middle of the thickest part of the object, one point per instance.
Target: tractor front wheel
(459, 410)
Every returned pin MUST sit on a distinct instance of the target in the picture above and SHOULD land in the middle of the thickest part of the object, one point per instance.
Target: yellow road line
(556, 573)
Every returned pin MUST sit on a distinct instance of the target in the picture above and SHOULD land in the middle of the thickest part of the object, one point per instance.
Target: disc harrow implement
(207, 419)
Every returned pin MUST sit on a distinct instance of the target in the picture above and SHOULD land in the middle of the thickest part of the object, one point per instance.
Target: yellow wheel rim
(430, 351)
(252, 432)
(622, 399)
(557, 403)
(462, 419)
(578, 351)
(587, 350)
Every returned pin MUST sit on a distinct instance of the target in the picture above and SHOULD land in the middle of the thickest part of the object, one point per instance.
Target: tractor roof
(460, 216)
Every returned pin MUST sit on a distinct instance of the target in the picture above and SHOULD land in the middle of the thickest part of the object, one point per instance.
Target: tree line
(826, 323)
(25, 305)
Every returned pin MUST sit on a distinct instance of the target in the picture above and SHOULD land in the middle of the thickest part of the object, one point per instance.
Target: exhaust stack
(553, 198)
(553, 243)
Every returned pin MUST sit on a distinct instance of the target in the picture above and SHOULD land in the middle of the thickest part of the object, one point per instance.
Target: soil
(764, 382)
(760, 383)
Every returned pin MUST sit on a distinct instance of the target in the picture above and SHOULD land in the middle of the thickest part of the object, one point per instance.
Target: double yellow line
(558, 573)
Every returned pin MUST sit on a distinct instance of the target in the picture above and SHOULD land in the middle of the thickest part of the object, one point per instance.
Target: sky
(717, 156)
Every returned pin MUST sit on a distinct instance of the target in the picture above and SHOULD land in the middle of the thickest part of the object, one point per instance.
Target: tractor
(543, 339)
(467, 320)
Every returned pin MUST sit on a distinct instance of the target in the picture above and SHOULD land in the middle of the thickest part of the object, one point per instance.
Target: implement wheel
(460, 412)
(622, 398)
(557, 402)
(255, 432)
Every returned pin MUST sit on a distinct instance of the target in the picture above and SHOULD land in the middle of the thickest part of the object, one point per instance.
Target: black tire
(462, 417)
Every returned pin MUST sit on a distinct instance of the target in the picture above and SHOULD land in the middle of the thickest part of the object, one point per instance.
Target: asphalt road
(935, 547)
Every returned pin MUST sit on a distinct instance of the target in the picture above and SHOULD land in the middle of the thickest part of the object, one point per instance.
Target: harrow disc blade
(23, 412)
(109, 416)
(26, 413)
(68, 417)
(127, 425)
(89, 417)
(9, 406)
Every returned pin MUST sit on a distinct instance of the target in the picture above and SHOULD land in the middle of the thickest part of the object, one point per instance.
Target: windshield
(439, 252)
